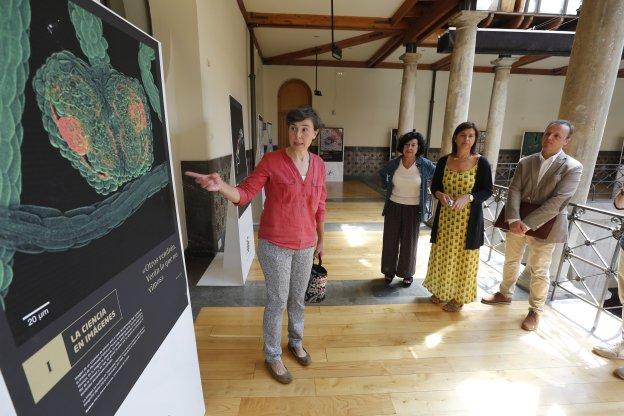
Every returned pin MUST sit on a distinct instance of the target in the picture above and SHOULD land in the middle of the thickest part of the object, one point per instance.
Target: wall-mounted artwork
(238, 140)
(393, 143)
(531, 143)
(481, 142)
(331, 144)
(241, 164)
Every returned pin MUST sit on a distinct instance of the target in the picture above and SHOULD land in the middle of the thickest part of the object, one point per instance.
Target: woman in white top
(406, 180)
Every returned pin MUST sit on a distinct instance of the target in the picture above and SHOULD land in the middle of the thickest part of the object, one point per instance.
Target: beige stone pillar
(408, 89)
(460, 75)
(590, 81)
(496, 116)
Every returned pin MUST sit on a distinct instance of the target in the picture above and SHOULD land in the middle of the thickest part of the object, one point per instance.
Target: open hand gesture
(211, 182)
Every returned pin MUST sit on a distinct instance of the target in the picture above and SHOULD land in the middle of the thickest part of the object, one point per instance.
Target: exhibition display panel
(94, 307)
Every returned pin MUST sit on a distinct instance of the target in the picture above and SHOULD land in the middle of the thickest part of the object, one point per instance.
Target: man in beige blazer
(548, 178)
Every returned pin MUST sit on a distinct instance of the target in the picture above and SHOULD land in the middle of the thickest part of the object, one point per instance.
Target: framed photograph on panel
(481, 142)
(331, 144)
(393, 142)
(531, 143)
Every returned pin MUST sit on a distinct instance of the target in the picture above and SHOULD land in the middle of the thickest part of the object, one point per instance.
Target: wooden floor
(411, 359)
(403, 359)
(352, 253)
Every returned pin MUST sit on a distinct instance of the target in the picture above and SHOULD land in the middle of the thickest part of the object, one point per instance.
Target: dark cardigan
(481, 191)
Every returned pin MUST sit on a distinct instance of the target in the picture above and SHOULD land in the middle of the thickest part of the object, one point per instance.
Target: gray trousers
(286, 275)
(620, 282)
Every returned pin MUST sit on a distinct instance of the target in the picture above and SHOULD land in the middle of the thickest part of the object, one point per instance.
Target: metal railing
(589, 259)
(604, 180)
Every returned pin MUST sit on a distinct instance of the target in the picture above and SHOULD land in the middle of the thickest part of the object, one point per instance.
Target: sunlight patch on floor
(356, 236)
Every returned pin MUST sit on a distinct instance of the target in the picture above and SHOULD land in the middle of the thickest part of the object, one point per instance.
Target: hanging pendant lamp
(316, 90)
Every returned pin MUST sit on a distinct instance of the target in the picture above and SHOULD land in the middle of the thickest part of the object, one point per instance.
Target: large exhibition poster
(241, 166)
(91, 271)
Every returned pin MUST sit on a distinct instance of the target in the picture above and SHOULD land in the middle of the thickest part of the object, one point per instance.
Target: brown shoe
(531, 322)
(496, 299)
(619, 372)
(304, 361)
(285, 378)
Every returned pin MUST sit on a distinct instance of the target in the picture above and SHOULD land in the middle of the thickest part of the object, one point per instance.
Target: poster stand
(231, 267)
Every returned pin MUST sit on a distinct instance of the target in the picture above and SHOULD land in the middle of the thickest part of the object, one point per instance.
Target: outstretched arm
(213, 183)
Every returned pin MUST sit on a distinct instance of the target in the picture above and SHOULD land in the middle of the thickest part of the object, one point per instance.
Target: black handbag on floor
(315, 292)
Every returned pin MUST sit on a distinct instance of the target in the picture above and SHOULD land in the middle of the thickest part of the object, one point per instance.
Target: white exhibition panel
(334, 171)
(169, 384)
(6, 406)
(231, 267)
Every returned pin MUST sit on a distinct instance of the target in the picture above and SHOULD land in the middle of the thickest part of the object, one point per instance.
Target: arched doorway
(293, 93)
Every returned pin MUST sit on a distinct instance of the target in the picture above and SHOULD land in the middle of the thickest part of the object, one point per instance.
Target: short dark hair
(561, 122)
(407, 137)
(301, 113)
(465, 126)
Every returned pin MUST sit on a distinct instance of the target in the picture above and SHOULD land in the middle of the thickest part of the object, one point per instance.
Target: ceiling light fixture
(335, 49)
(316, 90)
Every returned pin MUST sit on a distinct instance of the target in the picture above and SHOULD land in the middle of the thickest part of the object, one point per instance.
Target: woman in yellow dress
(461, 182)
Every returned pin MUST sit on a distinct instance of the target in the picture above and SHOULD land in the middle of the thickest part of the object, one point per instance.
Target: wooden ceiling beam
(420, 29)
(383, 52)
(485, 23)
(528, 59)
(526, 23)
(241, 6)
(243, 10)
(402, 11)
(559, 71)
(443, 64)
(422, 67)
(318, 21)
(514, 22)
(255, 42)
(440, 14)
(553, 25)
(345, 43)
(335, 63)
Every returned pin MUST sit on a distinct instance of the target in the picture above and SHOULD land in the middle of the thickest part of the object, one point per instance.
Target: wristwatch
(471, 197)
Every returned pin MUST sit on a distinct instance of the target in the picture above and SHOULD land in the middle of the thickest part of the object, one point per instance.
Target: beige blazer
(553, 192)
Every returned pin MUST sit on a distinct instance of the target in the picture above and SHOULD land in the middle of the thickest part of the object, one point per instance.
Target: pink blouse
(293, 206)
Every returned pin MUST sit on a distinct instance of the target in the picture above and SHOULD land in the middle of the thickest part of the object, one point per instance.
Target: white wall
(206, 59)
(366, 103)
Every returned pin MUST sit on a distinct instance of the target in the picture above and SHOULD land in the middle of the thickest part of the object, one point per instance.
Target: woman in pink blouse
(291, 231)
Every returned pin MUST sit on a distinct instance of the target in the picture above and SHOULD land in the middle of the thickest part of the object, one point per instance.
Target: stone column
(496, 116)
(460, 76)
(590, 80)
(408, 89)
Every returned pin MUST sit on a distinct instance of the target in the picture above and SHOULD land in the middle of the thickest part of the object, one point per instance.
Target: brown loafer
(305, 361)
(496, 299)
(285, 378)
(531, 322)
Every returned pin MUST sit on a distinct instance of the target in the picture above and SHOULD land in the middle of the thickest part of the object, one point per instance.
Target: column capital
(467, 18)
(503, 63)
(410, 57)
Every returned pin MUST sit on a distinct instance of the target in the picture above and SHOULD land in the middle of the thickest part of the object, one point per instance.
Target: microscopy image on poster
(91, 271)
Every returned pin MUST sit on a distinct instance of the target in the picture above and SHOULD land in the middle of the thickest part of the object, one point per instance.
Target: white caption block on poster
(334, 171)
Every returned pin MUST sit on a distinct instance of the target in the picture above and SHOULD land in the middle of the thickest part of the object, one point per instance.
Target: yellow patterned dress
(452, 271)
